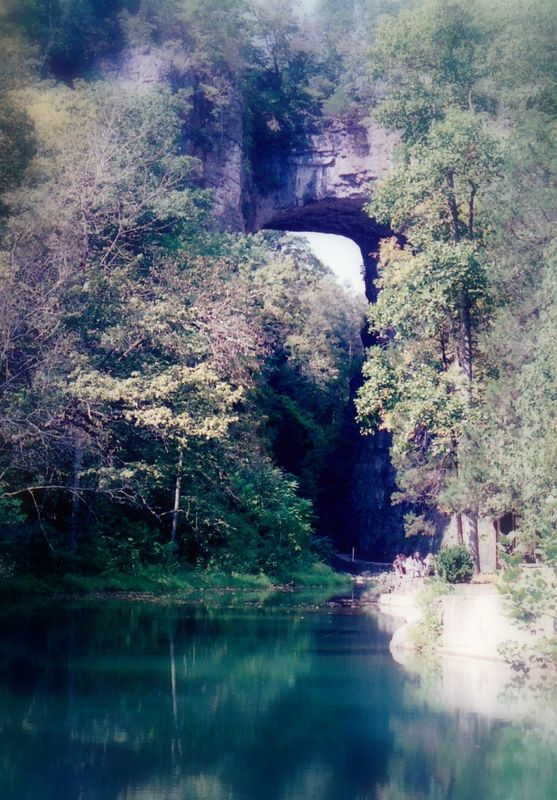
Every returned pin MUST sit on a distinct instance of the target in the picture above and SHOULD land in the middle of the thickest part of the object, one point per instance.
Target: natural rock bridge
(323, 187)
(319, 187)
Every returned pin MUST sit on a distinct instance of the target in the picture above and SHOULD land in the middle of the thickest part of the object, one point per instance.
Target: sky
(342, 255)
(308, 5)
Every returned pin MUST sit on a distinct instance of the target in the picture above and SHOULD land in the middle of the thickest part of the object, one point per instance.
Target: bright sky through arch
(342, 255)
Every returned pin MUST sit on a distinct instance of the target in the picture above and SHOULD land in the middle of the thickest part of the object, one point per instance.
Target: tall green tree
(139, 347)
(508, 454)
(424, 378)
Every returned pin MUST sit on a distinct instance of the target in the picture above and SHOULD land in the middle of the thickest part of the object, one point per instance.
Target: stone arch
(323, 187)
(340, 216)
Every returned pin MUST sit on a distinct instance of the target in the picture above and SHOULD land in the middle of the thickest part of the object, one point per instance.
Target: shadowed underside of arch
(340, 216)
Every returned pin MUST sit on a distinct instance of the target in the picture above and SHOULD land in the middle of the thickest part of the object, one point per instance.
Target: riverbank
(471, 621)
(185, 583)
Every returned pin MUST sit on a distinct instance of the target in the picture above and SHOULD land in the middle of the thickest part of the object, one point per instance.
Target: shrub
(455, 564)
(425, 633)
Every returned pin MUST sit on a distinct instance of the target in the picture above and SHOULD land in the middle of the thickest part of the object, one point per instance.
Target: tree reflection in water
(139, 702)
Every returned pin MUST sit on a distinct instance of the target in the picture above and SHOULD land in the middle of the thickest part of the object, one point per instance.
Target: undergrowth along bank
(157, 582)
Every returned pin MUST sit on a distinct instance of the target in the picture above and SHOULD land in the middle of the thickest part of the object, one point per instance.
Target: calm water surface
(144, 702)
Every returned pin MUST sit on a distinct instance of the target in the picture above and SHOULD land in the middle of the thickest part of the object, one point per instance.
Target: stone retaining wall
(475, 622)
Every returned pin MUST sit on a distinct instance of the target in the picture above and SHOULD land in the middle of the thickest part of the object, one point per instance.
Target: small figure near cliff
(398, 565)
(411, 566)
(429, 565)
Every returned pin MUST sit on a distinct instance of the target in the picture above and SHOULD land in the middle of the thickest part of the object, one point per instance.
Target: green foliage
(521, 57)
(434, 297)
(427, 380)
(508, 458)
(70, 34)
(417, 525)
(318, 574)
(156, 580)
(455, 564)
(434, 196)
(17, 145)
(432, 58)
(425, 633)
(511, 457)
(130, 548)
(274, 529)
(344, 31)
(281, 104)
(144, 353)
(11, 510)
(531, 595)
(160, 353)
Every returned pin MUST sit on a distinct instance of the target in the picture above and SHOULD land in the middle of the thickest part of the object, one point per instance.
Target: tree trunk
(76, 499)
(177, 493)
(453, 209)
(471, 539)
(466, 339)
(473, 191)
(465, 344)
(459, 528)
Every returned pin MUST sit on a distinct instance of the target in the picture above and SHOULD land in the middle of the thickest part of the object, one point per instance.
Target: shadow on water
(130, 701)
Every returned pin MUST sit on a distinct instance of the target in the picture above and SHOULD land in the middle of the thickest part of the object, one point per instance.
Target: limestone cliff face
(321, 185)
(220, 155)
(324, 184)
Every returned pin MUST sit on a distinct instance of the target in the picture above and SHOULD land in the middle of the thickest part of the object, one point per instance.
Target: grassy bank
(180, 584)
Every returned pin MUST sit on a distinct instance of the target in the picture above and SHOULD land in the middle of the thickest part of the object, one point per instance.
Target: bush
(425, 633)
(455, 564)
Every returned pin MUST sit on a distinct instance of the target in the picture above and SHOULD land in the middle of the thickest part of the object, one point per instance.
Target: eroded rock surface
(324, 185)
(321, 185)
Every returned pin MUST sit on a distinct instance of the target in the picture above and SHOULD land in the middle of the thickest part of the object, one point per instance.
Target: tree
(432, 58)
(138, 345)
(69, 35)
(72, 360)
(424, 379)
(508, 454)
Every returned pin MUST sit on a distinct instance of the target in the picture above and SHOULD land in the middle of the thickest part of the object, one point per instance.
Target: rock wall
(475, 622)
(487, 540)
(221, 162)
(323, 185)
(222, 170)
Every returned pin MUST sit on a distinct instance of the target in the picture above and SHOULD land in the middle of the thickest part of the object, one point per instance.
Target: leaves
(140, 347)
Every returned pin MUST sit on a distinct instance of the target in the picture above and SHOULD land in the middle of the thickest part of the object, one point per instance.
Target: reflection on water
(138, 702)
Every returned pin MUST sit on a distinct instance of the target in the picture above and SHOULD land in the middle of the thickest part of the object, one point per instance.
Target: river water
(136, 701)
